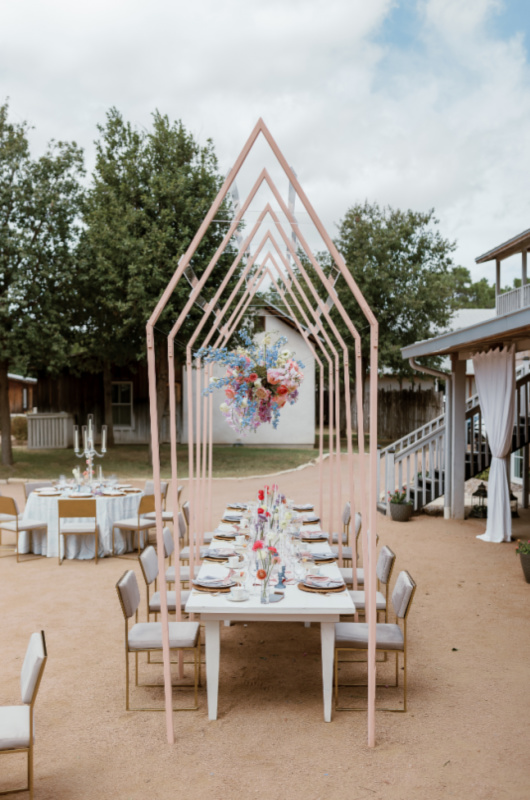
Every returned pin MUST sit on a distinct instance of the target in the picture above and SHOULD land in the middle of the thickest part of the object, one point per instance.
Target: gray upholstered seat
(184, 573)
(185, 552)
(383, 569)
(358, 598)
(154, 601)
(389, 637)
(148, 635)
(16, 722)
(167, 516)
(14, 727)
(354, 635)
(30, 486)
(346, 573)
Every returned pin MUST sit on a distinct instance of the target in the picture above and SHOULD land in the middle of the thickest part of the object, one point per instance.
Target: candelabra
(89, 450)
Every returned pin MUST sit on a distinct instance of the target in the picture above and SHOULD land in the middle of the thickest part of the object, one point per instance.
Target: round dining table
(109, 509)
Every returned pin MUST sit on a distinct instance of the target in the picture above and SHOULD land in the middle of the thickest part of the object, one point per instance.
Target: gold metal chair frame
(8, 506)
(85, 509)
(148, 616)
(28, 750)
(147, 504)
(149, 650)
(378, 650)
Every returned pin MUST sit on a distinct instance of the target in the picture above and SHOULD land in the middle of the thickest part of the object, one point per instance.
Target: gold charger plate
(214, 589)
(323, 590)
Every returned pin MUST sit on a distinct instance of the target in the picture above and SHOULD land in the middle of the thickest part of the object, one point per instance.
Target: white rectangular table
(297, 606)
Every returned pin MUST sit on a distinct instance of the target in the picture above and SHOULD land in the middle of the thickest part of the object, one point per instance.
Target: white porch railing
(508, 302)
(417, 462)
(50, 431)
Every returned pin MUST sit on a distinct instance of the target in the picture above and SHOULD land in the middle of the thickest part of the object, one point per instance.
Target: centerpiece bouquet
(266, 559)
(260, 379)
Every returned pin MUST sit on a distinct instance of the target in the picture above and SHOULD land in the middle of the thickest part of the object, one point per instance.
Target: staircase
(417, 461)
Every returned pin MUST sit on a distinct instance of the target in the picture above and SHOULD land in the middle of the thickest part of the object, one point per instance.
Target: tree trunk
(162, 390)
(5, 416)
(107, 402)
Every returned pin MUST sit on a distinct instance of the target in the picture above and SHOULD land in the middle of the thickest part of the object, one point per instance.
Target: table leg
(212, 634)
(327, 639)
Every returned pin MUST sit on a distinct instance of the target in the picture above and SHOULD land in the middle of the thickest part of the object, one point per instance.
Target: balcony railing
(508, 302)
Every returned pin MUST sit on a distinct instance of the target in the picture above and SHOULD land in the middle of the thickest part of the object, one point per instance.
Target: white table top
(296, 603)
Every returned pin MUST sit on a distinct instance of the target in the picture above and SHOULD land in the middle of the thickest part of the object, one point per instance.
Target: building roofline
(12, 377)
(508, 248)
(513, 327)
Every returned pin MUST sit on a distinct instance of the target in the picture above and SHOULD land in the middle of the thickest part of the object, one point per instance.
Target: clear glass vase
(265, 591)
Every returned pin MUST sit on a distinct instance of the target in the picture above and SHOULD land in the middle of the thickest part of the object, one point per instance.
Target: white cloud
(442, 123)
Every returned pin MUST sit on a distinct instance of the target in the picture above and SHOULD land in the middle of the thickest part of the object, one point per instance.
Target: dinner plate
(113, 494)
(48, 494)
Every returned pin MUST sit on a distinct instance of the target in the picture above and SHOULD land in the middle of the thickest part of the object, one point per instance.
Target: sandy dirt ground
(465, 734)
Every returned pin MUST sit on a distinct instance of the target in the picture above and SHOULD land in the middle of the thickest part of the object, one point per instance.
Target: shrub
(19, 429)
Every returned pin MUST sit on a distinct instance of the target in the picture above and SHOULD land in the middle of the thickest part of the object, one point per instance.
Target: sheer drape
(495, 378)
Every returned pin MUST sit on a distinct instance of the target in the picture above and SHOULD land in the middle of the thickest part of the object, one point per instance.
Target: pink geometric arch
(200, 418)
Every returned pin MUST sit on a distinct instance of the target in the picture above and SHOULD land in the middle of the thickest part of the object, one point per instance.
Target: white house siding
(297, 423)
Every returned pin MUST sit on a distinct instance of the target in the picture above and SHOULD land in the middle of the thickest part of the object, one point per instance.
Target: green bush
(19, 429)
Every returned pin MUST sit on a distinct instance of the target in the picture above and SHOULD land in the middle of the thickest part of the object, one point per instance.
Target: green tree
(469, 294)
(149, 193)
(402, 265)
(39, 206)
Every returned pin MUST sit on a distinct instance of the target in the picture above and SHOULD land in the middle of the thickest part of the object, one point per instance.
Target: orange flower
(261, 574)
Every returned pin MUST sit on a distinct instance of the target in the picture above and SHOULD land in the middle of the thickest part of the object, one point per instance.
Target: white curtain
(495, 378)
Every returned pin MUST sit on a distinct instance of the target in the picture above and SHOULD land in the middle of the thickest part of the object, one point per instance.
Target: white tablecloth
(109, 510)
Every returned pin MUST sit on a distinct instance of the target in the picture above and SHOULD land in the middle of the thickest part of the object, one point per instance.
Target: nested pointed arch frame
(320, 334)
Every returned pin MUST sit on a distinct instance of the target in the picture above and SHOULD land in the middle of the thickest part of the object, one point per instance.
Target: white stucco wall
(297, 422)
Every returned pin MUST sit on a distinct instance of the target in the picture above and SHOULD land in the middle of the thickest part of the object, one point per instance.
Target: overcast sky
(412, 103)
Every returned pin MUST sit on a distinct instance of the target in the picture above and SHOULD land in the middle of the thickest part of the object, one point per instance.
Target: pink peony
(252, 377)
(281, 401)
(262, 393)
(229, 392)
(258, 545)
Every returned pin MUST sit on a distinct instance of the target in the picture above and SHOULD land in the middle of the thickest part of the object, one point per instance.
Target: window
(122, 404)
(517, 466)
(24, 398)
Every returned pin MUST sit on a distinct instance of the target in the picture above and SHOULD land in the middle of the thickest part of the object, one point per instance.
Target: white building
(297, 422)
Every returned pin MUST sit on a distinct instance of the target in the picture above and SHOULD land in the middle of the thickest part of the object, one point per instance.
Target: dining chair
(184, 568)
(16, 722)
(347, 551)
(76, 510)
(184, 533)
(149, 566)
(384, 568)
(149, 488)
(146, 637)
(136, 525)
(12, 521)
(346, 519)
(207, 535)
(30, 486)
(390, 638)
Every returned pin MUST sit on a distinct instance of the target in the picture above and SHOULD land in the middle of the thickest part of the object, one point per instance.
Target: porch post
(458, 433)
(523, 267)
(526, 482)
(497, 276)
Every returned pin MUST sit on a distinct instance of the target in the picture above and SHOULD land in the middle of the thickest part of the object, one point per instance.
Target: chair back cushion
(384, 564)
(186, 511)
(30, 486)
(31, 668)
(402, 594)
(129, 593)
(149, 562)
(8, 506)
(70, 509)
(358, 523)
(169, 545)
(182, 525)
(346, 514)
(149, 487)
(147, 504)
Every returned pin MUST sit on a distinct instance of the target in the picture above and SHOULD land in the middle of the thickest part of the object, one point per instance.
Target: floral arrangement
(260, 380)
(266, 558)
(399, 497)
(523, 547)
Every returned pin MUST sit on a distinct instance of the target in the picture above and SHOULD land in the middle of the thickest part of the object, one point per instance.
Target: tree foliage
(149, 194)
(39, 207)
